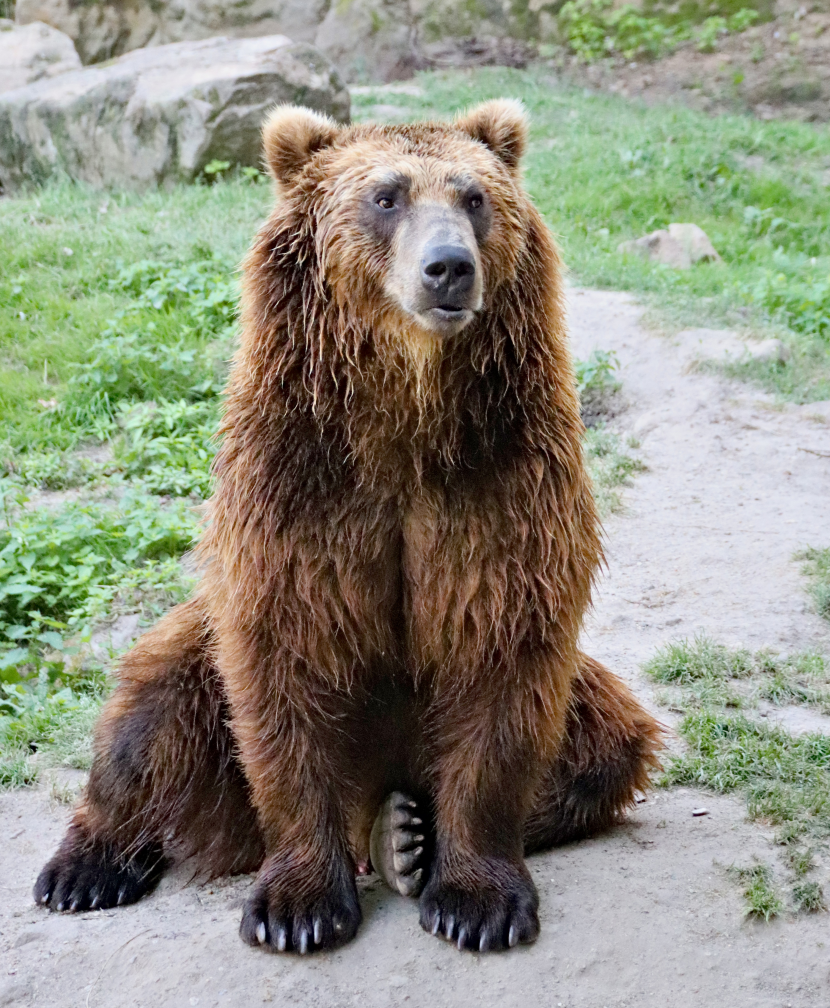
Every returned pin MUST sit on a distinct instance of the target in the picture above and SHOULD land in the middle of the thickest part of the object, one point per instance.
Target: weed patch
(785, 779)
(761, 899)
(597, 29)
(817, 569)
(610, 465)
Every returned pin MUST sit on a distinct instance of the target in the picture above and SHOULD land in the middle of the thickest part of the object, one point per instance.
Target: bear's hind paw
(397, 845)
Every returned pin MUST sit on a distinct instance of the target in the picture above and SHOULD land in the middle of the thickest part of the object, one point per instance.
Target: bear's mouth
(446, 317)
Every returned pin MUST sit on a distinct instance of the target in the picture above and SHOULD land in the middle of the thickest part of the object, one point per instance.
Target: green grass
(784, 778)
(701, 672)
(611, 466)
(809, 897)
(60, 310)
(761, 899)
(817, 569)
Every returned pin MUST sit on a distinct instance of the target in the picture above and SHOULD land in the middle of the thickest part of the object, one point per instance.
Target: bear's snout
(448, 273)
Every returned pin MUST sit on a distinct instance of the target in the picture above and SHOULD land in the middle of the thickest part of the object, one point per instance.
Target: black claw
(483, 919)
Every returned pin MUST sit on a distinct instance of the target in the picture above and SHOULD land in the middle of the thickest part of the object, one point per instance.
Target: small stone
(396, 980)
(659, 246)
(700, 811)
(695, 241)
(680, 247)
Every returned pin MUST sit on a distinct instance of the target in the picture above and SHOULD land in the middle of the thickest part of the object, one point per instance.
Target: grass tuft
(761, 898)
(809, 897)
(685, 662)
(16, 767)
(817, 569)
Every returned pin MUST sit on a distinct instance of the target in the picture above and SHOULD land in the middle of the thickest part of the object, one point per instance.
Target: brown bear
(397, 560)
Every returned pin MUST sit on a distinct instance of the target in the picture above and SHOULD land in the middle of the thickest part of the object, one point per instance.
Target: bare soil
(776, 70)
(642, 916)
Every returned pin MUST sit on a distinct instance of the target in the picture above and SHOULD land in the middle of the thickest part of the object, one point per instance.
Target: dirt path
(641, 917)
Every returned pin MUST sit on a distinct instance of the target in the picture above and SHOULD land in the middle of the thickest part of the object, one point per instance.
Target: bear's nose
(448, 272)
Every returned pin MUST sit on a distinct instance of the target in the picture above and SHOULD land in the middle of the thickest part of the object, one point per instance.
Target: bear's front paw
(90, 874)
(288, 915)
(482, 919)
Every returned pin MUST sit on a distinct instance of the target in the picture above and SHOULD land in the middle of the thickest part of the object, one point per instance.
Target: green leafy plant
(55, 563)
(216, 168)
(707, 35)
(594, 29)
(170, 445)
(796, 295)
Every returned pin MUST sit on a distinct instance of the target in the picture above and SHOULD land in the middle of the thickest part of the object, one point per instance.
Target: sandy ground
(643, 916)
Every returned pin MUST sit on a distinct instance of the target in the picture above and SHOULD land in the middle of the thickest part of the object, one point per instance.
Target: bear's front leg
(480, 894)
(290, 730)
(497, 592)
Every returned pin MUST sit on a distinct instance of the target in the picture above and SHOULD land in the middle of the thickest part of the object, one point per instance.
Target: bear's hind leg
(399, 844)
(164, 778)
(610, 745)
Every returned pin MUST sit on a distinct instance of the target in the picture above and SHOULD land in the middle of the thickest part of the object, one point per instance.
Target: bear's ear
(291, 136)
(501, 125)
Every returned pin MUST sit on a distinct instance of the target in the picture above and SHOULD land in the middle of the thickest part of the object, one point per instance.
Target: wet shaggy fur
(399, 554)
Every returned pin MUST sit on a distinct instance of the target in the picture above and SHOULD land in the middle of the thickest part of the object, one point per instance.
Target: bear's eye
(386, 203)
(476, 202)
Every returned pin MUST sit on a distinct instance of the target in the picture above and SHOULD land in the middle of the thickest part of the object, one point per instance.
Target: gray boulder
(387, 40)
(158, 116)
(695, 241)
(33, 52)
(367, 40)
(370, 40)
(101, 30)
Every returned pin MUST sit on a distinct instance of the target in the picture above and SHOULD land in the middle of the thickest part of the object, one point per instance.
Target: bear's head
(413, 226)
